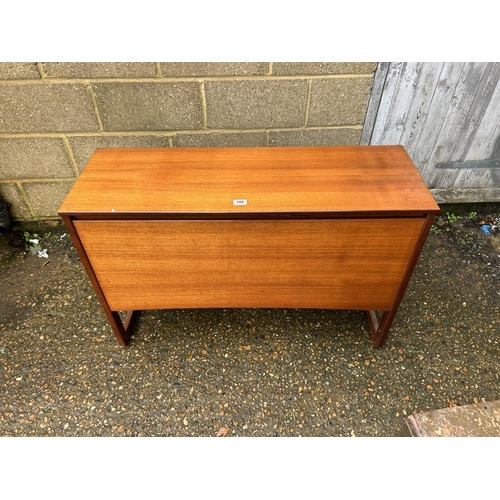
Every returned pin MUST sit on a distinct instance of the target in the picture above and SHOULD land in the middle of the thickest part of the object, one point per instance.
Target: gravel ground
(244, 372)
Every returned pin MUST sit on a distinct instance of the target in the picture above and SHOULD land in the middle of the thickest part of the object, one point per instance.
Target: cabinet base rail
(123, 329)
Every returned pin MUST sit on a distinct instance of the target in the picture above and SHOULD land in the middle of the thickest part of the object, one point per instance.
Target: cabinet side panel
(331, 264)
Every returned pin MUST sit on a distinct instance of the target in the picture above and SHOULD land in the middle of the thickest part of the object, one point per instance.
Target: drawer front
(331, 264)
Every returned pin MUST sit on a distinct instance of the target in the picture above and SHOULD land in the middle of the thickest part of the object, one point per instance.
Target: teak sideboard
(278, 227)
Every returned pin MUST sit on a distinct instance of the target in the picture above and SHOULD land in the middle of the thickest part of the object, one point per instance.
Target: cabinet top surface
(262, 180)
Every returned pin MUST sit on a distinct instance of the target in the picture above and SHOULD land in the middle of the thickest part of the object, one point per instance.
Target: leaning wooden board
(312, 227)
(474, 420)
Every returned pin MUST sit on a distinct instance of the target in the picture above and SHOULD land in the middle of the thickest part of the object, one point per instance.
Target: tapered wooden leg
(373, 321)
(128, 324)
(380, 329)
(122, 331)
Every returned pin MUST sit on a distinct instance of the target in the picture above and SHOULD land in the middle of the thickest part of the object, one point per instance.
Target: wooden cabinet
(310, 227)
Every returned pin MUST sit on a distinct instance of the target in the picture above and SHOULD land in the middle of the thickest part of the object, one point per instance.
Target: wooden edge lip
(274, 150)
(244, 215)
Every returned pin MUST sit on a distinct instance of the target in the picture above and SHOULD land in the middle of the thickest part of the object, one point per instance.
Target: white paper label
(239, 202)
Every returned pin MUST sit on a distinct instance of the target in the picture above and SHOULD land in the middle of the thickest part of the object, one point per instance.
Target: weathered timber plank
(401, 103)
(488, 131)
(390, 88)
(453, 121)
(374, 103)
(420, 107)
(476, 420)
(432, 125)
(480, 102)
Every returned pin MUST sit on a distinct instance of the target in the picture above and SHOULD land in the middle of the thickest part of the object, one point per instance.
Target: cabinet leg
(380, 329)
(122, 331)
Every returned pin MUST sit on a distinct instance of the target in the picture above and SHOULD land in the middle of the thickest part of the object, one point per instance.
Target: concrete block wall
(54, 115)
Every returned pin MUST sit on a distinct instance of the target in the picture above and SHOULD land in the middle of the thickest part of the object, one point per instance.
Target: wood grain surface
(342, 264)
(350, 179)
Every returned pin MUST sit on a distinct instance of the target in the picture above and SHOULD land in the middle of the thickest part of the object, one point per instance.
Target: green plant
(452, 218)
(28, 236)
(35, 236)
